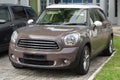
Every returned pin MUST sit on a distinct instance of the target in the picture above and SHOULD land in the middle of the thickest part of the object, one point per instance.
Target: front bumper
(64, 58)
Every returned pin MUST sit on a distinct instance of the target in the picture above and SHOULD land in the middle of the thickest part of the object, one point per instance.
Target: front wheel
(109, 50)
(84, 62)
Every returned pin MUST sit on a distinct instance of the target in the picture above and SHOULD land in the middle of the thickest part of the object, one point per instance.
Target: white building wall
(94, 1)
(103, 5)
(111, 15)
(24, 2)
(39, 7)
(9, 1)
(118, 21)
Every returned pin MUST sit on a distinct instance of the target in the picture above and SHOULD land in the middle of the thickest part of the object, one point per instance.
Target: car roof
(73, 6)
(12, 5)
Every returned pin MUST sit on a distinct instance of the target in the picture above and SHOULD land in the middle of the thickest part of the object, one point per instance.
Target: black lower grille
(34, 56)
(36, 62)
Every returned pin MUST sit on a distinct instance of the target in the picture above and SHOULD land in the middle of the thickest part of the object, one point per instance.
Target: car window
(19, 12)
(4, 14)
(92, 15)
(63, 16)
(79, 17)
(30, 12)
(99, 15)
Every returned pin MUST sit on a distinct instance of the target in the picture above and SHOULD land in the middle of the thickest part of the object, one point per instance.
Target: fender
(85, 41)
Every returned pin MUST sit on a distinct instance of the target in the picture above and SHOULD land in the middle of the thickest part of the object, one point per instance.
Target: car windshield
(4, 15)
(63, 16)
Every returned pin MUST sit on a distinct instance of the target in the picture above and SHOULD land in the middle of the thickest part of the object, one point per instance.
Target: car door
(20, 17)
(106, 27)
(96, 35)
(5, 25)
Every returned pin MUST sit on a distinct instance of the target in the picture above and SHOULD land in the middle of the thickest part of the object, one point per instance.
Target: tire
(17, 66)
(109, 50)
(84, 62)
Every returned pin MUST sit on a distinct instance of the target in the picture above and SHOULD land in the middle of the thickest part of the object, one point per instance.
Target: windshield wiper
(73, 24)
(43, 23)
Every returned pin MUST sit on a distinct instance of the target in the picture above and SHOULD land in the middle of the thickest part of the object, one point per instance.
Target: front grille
(36, 62)
(37, 44)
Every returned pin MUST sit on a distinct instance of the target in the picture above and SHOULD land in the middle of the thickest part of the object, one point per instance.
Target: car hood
(39, 31)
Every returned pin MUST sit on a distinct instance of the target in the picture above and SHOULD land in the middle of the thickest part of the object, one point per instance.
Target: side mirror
(30, 21)
(2, 21)
(98, 23)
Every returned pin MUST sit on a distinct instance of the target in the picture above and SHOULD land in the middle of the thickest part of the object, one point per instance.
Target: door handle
(12, 25)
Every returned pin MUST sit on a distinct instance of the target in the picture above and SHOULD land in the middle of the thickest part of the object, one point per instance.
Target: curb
(117, 34)
(98, 70)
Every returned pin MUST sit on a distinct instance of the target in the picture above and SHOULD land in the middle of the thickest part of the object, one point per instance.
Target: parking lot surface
(7, 72)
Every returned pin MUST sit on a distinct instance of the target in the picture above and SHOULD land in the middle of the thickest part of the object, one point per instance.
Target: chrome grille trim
(37, 44)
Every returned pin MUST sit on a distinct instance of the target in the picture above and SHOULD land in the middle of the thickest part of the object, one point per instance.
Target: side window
(4, 14)
(102, 15)
(99, 15)
(19, 12)
(30, 12)
(92, 15)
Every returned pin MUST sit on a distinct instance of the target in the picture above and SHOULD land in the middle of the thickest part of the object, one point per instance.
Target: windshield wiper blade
(42, 23)
(73, 24)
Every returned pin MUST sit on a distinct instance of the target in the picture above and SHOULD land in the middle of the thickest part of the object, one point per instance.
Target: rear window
(19, 12)
(4, 14)
(30, 12)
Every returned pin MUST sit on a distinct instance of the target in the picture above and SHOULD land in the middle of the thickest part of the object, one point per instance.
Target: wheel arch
(112, 35)
(89, 46)
(85, 42)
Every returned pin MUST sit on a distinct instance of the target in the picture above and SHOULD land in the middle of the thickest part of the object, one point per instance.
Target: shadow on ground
(3, 53)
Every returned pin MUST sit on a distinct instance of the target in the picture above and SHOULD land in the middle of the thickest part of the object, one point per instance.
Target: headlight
(14, 36)
(71, 39)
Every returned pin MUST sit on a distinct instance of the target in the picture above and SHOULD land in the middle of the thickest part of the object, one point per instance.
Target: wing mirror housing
(2, 21)
(30, 21)
(98, 23)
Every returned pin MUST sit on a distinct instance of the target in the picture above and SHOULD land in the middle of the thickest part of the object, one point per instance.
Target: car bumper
(64, 58)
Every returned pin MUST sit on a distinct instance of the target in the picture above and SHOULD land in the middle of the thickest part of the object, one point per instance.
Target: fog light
(66, 61)
(18, 60)
(13, 56)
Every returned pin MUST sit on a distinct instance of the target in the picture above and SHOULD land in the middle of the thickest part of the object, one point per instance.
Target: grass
(111, 70)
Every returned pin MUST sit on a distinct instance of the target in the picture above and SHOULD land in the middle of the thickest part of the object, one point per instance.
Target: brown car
(64, 36)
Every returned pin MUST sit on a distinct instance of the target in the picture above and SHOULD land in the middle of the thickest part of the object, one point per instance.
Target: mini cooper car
(65, 36)
(13, 16)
